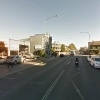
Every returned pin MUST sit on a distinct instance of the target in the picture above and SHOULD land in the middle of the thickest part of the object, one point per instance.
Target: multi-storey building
(33, 44)
(56, 46)
(94, 47)
(41, 42)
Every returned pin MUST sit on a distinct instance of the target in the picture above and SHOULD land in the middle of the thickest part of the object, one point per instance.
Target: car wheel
(15, 62)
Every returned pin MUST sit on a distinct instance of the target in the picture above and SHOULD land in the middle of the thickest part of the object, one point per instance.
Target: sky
(24, 18)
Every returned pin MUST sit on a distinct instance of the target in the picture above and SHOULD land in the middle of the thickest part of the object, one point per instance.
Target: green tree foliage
(63, 49)
(42, 53)
(53, 49)
(72, 47)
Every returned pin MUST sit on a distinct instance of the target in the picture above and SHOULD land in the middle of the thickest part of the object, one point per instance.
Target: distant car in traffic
(62, 55)
(13, 59)
(95, 61)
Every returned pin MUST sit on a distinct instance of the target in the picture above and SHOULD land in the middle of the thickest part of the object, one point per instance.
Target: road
(59, 79)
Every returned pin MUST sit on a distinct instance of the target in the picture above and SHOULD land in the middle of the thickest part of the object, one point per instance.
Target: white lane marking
(78, 68)
(69, 62)
(52, 86)
(75, 74)
(78, 91)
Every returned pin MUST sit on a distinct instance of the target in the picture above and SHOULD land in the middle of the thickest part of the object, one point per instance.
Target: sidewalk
(4, 70)
(45, 59)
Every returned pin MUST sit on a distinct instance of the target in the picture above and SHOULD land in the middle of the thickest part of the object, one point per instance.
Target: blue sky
(23, 18)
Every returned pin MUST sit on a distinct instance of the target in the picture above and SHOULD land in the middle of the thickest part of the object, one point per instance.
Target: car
(89, 57)
(13, 59)
(61, 55)
(2, 60)
(95, 61)
(24, 59)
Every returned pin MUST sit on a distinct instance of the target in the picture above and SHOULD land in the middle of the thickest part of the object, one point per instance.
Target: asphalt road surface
(59, 79)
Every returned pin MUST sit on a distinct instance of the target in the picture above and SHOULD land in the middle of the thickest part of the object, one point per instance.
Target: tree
(63, 49)
(72, 47)
(53, 49)
(41, 53)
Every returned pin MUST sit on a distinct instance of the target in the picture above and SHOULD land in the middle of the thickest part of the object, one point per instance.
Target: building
(3, 49)
(94, 47)
(41, 42)
(33, 44)
(16, 47)
(56, 46)
(24, 46)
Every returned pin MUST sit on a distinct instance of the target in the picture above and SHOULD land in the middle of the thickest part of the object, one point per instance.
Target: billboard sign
(13, 44)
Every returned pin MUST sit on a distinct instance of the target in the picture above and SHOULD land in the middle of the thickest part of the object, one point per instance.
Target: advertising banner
(14, 44)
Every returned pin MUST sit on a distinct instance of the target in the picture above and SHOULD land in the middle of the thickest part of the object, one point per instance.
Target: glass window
(97, 59)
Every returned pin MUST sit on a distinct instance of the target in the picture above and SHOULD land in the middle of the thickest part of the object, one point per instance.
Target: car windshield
(97, 59)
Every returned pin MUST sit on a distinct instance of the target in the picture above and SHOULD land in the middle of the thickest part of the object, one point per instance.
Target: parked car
(89, 58)
(95, 61)
(13, 59)
(30, 56)
(2, 60)
(24, 59)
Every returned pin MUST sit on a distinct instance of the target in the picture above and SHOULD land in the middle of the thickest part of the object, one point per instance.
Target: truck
(72, 52)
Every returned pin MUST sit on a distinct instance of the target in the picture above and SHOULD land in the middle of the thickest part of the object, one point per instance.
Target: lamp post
(45, 29)
(47, 20)
(88, 34)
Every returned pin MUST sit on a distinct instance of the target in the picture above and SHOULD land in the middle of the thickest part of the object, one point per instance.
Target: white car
(13, 59)
(2, 60)
(95, 62)
(24, 59)
(89, 58)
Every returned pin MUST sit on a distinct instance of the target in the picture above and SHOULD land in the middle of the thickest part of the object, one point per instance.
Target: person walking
(10, 64)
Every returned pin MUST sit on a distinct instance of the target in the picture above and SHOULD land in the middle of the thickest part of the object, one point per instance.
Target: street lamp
(88, 34)
(45, 27)
(47, 20)
(51, 17)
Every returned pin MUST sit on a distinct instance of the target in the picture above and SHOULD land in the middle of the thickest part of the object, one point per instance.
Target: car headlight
(96, 64)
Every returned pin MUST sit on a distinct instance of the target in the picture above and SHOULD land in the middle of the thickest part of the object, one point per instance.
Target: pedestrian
(10, 64)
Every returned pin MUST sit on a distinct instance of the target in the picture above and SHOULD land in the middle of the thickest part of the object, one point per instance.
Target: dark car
(61, 55)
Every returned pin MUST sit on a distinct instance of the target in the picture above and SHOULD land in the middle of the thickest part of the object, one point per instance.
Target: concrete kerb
(44, 60)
